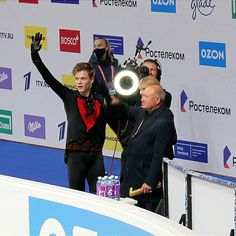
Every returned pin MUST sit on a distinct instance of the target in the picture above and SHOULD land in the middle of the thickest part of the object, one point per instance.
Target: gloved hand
(36, 42)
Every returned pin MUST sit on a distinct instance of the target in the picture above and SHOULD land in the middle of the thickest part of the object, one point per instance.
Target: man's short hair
(84, 66)
(148, 81)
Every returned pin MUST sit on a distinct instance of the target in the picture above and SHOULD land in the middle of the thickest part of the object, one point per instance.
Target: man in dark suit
(152, 139)
(147, 67)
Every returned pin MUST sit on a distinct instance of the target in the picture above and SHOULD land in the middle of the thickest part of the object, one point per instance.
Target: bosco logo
(69, 40)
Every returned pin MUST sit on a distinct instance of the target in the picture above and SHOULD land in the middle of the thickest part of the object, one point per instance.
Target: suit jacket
(146, 148)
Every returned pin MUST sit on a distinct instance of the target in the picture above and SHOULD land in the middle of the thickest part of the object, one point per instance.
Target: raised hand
(36, 42)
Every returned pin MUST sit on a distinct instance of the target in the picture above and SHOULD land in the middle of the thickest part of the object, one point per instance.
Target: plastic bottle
(98, 186)
(103, 187)
(110, 187)
(116, 194)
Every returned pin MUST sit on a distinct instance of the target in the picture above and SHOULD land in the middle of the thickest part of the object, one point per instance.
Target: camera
(126, 81)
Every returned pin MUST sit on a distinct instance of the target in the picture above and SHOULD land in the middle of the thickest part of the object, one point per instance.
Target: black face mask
(99, 52)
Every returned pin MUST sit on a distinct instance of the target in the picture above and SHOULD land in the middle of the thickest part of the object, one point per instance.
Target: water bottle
(110, 187)
(116, 194)
(98, 186)
(103, 187)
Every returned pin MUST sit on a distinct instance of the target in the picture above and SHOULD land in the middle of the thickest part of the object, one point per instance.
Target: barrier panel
(32, 208)
(174, 179)
(206, 204)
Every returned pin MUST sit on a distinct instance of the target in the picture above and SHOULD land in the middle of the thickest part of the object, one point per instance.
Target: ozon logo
(54, 218)
(53, 227)
(168, 6)
(212, 54)
(69, 40)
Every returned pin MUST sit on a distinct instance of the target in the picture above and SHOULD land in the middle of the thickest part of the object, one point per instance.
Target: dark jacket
(146, 149)
(76, 131)
(126, 126)
(107, 67)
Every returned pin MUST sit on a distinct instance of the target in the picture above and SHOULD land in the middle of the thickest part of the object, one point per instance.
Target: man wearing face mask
(104, 63)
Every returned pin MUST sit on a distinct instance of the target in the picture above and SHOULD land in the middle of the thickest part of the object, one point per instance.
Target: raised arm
(55, 85)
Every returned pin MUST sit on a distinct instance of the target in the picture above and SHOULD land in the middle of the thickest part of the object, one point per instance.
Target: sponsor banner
(191, 151)
(69, 40)
(62, 128)
(115, 3)
(34, 126)
(31, 31)
(158, 53)
(6, 35)
(168, 6)
(29, 1)
(190, 105)
(212, 54)
(27, 78)
(233, 9)
(228, 159)
(112, 141)
(116, 43)
(52, 218)
(69, 81)
(5, 78)
(6, 122)
(204, 8)
(66, 1)
(183, 100)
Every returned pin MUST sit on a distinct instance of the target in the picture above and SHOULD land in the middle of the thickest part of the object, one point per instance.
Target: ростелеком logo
(168, 6)
(228, 158)
(183, 99)
(226, 154)
(112, 3)
(212, 54)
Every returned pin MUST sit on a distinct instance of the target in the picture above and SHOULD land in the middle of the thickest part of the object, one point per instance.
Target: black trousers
(82, 166)
(150, 206)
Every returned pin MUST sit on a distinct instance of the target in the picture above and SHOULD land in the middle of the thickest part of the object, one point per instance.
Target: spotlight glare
(124, 75)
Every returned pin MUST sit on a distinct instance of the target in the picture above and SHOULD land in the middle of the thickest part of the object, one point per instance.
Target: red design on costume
(89, 116)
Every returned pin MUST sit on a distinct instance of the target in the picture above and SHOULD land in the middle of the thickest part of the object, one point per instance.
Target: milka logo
(204, 7)
(32, 126)
(35, 126)
(3, 76)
